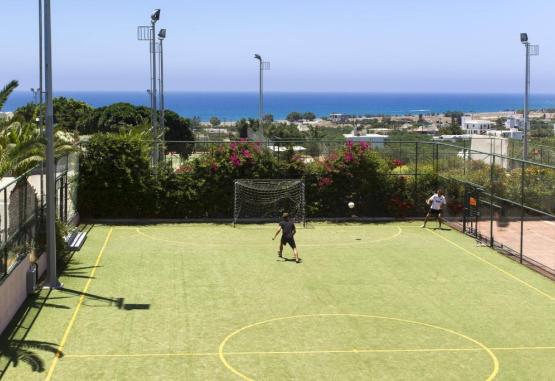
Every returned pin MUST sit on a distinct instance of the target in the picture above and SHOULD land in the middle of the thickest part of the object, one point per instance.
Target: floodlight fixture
(257, 56)
(524, 37)
(155, 15)
(162, 34)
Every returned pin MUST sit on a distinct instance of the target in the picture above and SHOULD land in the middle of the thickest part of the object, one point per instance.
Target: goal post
(257, 200)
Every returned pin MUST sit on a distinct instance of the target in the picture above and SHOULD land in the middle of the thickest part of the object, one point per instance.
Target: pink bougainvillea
(364, 146)
(235, 160)
(246, 154)
(214, 167)
(325, 181)
(398, 163)
(348, 157)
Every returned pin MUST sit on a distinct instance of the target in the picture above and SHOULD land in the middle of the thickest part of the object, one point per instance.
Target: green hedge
(116, 181)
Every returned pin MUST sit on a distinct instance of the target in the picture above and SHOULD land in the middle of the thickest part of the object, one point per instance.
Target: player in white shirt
(436, 202)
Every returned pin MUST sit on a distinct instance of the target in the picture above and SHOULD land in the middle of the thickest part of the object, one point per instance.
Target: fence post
(521, 210)
(416, 176)
(5, 231)
(464, 157)
(492, 182)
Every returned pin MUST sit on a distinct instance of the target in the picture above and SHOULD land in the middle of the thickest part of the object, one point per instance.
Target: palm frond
(6, 91)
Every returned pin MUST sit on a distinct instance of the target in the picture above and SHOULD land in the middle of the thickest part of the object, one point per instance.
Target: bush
(115, 178)
(116, 181)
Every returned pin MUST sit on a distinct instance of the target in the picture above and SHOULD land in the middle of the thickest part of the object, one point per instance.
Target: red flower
(214, 167)
(398, 163)
(233, 146)
(325, 181)
(348, 157)
(364, 146)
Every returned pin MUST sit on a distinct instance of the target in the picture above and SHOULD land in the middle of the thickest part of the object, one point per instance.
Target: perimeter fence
(22, 206)
(505, 202)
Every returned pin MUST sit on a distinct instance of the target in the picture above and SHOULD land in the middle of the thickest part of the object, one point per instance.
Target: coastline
(232, 106)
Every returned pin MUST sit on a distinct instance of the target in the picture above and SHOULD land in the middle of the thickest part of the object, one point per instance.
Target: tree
(294, 116)
(116, 117)
(283, 131)
(215, 121)
(456, 117)
(69, 114)
(309, 116)
(268, 118)
(451, 130)
(6, 91)
(178, 129)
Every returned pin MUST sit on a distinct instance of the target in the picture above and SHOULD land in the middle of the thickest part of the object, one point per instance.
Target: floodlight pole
(263, 65)
(530, 50)
(155, 154)
(41, 79)
(526, 95)
(40, 120)
(52, 280)
(161, 37)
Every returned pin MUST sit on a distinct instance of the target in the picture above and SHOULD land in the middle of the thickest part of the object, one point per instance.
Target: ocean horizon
(229, 106)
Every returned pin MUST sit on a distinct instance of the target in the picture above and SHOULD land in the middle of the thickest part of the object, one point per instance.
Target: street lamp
(161, 37)
(148, 33)
(263, 66)
(531, 50)
(35, 95)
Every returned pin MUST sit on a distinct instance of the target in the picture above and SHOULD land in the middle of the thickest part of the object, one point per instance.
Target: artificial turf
(211, 302)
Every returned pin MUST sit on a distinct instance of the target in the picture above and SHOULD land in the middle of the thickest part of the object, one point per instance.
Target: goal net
(266, 200)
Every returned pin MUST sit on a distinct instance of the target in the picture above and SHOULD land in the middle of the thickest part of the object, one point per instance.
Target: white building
(474, 126)
(514, 122)
(374, 140)
(512, 133)
(338, 118)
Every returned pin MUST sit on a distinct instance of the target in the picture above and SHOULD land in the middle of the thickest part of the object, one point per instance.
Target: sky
(469, 46)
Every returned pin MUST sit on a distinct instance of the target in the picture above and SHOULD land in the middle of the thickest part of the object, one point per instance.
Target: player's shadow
(442, 228)
(283, 259)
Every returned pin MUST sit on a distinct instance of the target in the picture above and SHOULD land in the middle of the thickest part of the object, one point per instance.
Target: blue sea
(236, 105)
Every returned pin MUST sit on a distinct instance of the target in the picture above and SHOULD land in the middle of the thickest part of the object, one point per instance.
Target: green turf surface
(370, 301)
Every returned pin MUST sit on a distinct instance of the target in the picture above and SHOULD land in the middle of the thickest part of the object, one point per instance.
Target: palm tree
(21, 145)
(6, 91)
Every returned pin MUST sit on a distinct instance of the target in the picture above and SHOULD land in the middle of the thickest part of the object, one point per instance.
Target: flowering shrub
(204, 186)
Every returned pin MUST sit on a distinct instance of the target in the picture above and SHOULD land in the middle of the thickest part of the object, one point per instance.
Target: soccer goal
(266, 200)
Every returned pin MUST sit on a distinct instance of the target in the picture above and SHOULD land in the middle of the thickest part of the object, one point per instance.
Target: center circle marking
(221, 350)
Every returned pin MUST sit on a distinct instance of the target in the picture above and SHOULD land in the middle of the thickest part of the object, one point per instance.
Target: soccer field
(385, 301)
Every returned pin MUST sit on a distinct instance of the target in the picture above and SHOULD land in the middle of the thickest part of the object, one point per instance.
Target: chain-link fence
(505, 202)
(22, 204)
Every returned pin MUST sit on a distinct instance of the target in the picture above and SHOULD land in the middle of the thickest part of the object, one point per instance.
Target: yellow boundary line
(514, 277)
(495, 361)
(201, 354)
(397, 234)
(74, 316)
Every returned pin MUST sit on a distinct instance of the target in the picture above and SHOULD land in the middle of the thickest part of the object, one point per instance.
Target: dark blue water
(233, 105)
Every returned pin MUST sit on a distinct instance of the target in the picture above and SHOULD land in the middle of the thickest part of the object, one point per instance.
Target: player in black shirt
(287, 229)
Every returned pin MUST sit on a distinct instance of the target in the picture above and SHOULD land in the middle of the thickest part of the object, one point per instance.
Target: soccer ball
(351, 205)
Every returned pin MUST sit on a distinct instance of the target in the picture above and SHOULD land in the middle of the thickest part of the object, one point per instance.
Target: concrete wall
(13, 290)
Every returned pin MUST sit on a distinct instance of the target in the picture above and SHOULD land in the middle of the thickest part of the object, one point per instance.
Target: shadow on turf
(14, 348)
(111, 302)
(283, 259)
